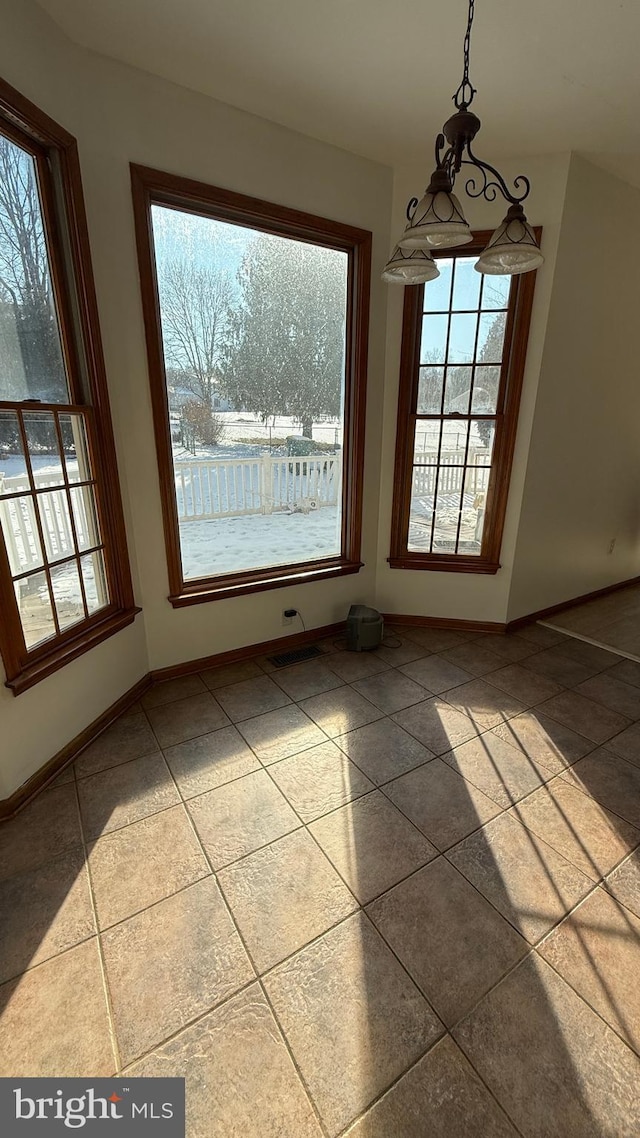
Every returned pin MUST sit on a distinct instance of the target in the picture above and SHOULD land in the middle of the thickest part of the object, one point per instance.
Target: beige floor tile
(540, 635)
(281, 733)
(238, 818)
(121, 795)
(390, 691)
(171, 963)
(624, 883)
(437, 725)
(372, 845)
(284, 896)
(526, 880)
(168, 691)
(186, 719)
(353, 1018)
(441, 1097)
(130, 737)
(303, 680)
(44, 911)
(54, 1019)
(240, 1080)
(398, 649)
(436, 674)
(626, 670)
(511, 649)
(590, 719)
(337, 712)
(555, 666)
(442, 804)
(613, 693)
(551, 1062)
(626, 744)
(251, 697)
(525, 685)
(319, 780)
(383, 750)
(597, 951)
(450, 940)
(41, 831)
(435, 639)
(577, 827)
(484, 704)
(225, 674)
(66, 775)
(474, 658)
(144, 863)
(502, 772)
(209, 761)
(588, 654)
(612, 781)
(544, 740)
(350, 666)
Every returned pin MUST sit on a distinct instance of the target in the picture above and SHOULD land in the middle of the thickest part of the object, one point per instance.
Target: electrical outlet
(289, 616)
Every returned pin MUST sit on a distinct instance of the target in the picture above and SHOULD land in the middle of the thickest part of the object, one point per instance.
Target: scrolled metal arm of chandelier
(437, 219)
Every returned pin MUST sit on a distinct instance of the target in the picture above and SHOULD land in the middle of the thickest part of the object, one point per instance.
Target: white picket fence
(20, 528)
(452, 473)
(234, 487)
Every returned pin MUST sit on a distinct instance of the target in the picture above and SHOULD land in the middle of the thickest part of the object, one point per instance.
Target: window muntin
(284, 480)
(64, 576)
(464, 344)
(253, 330)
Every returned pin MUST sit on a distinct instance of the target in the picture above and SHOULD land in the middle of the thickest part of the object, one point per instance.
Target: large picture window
(64, 578)
(463, 352)
(256, 332)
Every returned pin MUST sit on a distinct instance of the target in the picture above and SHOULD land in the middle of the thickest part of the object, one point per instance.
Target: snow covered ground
(227, 545)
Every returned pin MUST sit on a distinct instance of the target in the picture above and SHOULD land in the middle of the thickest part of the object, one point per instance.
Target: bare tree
(194, 305)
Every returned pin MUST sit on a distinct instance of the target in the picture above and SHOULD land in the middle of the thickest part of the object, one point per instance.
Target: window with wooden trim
(464, 344)
(256, 321)
(64, 576)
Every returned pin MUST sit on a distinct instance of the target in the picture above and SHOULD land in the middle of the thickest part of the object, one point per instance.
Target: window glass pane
(76, 449)
(433, 345)
(95, 581)
(20, 532)
(462, 338)
(84, 517)
(458, 390)
(495, 291)
(485, 390)
(31, 363)
(473, 510)
(421, 509)
(44, 449)
(454, 441)
(437, 293)
(34, 606)
(253, 330)
(67, 593)
(13, 466)
(56, 524)
(466, 284)
(426, 441)
(447, 509)
(491, 337)
(481, 441)
(430, 390)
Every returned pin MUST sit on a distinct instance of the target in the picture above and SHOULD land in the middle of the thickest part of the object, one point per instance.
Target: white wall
(582, 486)
(120, 115)
(468, 596)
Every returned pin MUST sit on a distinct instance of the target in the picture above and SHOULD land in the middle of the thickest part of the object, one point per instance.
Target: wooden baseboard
(281, 644)
(542, 614)
(444, 622)
(38, 781)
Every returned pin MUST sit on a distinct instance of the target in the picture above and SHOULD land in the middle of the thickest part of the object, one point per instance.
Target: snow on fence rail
(234, 487)
(453, 473)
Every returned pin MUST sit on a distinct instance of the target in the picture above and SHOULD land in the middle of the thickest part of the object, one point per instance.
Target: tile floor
(613, 621)
(394, 895)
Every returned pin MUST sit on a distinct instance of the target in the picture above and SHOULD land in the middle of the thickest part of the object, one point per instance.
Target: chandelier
(437, 221)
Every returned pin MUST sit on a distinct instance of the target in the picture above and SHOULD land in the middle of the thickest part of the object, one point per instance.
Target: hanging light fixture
(438, 221)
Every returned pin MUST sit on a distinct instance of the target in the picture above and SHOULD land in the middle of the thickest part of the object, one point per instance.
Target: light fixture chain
(464, 95)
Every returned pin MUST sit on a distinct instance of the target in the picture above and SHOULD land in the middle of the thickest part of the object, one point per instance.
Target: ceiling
(376, 76)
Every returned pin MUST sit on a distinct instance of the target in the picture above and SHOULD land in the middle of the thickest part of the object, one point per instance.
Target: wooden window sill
(444, 564)
(222, 588)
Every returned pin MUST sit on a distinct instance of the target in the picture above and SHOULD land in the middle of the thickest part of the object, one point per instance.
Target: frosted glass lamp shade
(437, 221)
(512, 248)
(410, 266)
